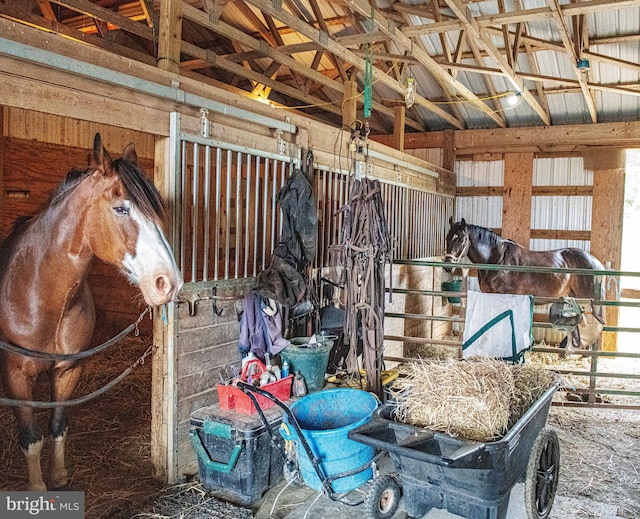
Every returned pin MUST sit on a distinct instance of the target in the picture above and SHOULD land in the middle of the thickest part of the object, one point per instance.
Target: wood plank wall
(35, 169)
(206, 343)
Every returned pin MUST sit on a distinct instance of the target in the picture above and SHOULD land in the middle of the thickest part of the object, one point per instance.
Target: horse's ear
(451, 221)
(129, 154)
(100, 159)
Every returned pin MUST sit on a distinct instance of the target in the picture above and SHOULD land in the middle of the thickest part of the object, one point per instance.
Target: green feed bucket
(310, 361)
(455, 285)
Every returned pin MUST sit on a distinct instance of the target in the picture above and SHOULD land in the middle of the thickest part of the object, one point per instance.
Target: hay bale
(477, 399)
(530, 383)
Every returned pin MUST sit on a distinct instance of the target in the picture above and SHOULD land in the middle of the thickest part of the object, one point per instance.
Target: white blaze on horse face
(153, 267)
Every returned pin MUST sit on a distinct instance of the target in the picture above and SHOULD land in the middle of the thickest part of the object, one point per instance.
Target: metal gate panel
(227, 201)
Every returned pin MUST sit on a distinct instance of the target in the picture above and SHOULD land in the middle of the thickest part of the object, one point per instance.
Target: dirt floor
(108, 443)
(109, 449)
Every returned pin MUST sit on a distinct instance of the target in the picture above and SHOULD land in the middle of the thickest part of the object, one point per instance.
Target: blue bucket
(325, 419)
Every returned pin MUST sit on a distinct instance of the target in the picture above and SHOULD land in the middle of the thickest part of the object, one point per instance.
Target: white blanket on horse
(497, 325)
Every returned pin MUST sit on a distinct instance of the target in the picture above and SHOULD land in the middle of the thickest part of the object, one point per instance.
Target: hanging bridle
(451, 258)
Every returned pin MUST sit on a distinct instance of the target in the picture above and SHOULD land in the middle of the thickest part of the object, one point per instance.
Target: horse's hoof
(62, 488)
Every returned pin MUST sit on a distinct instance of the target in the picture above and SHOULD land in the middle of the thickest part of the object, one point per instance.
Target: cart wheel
(382, 499)
(542, 474)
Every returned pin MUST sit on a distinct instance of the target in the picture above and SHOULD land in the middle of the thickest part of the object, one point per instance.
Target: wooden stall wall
(39, 150)
(208, 345)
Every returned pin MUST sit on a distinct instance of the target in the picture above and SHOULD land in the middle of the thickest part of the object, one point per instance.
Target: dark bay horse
(111, 211)
(482, 245)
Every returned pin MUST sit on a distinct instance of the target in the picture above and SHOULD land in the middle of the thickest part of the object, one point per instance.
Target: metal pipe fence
(594, 382)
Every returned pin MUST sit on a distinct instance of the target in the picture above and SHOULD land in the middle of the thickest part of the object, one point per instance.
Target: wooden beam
(149, 12)
(574, 57)
(317, 12)
(462, 11)
(334, 47)
(363, 8)
(471, 42)
(48, 92)
(235, 34)
(170, 35)
(561, 138)
(47, 10)
(449, 151)
(511, 17)
(257, 77)
(254, 20)
(106, 15)
(10, 12)
(607, 213)
(516, 197)
(398, 127)
(560, 234)
(349, 104)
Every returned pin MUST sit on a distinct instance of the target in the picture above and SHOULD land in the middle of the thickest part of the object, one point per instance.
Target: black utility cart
(470, 479)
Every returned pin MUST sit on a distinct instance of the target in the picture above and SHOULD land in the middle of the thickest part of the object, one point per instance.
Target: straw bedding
(478, 399)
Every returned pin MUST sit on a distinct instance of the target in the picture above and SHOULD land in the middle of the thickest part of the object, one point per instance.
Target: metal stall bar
(216, 254)
(238, 213)
(227, 241)
(207, 211)
(194, 212)
(342, 200)
(256, 213)
(274, 167)
(283, 179)
(184, 216)
(265, 192)
(246, 215)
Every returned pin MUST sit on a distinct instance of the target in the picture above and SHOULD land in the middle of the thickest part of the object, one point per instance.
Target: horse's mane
(137, 185)
(140, 189)
(482, 234)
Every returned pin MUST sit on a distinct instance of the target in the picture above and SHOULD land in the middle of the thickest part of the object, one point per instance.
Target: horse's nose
(167, 286)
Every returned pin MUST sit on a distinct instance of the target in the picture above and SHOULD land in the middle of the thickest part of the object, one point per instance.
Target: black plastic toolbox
(236, 457)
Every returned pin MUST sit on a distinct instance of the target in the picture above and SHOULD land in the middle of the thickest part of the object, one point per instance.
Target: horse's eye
(121, 210)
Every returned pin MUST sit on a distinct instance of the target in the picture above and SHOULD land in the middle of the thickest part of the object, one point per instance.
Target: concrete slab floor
(301, 502)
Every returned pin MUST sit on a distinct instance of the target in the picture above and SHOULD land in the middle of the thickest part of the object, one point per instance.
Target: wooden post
(349, 104)
(516, 197)
(169, 35)
(2, 146)
(398, 127)
(449, 151)
(607, 213)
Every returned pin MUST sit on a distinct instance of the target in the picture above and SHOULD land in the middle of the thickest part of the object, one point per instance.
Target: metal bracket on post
(204, 123)
(281, 144)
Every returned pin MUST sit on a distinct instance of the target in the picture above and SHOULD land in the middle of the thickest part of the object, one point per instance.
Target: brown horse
(482, 245)
(111, 211)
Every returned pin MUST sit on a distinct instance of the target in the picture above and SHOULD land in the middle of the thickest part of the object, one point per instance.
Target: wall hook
(213, 302)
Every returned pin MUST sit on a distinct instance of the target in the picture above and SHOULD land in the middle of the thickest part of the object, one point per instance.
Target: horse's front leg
(64, 382)
(19, 380)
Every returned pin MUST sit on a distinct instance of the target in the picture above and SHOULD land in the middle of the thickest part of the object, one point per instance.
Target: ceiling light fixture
(514, 99)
